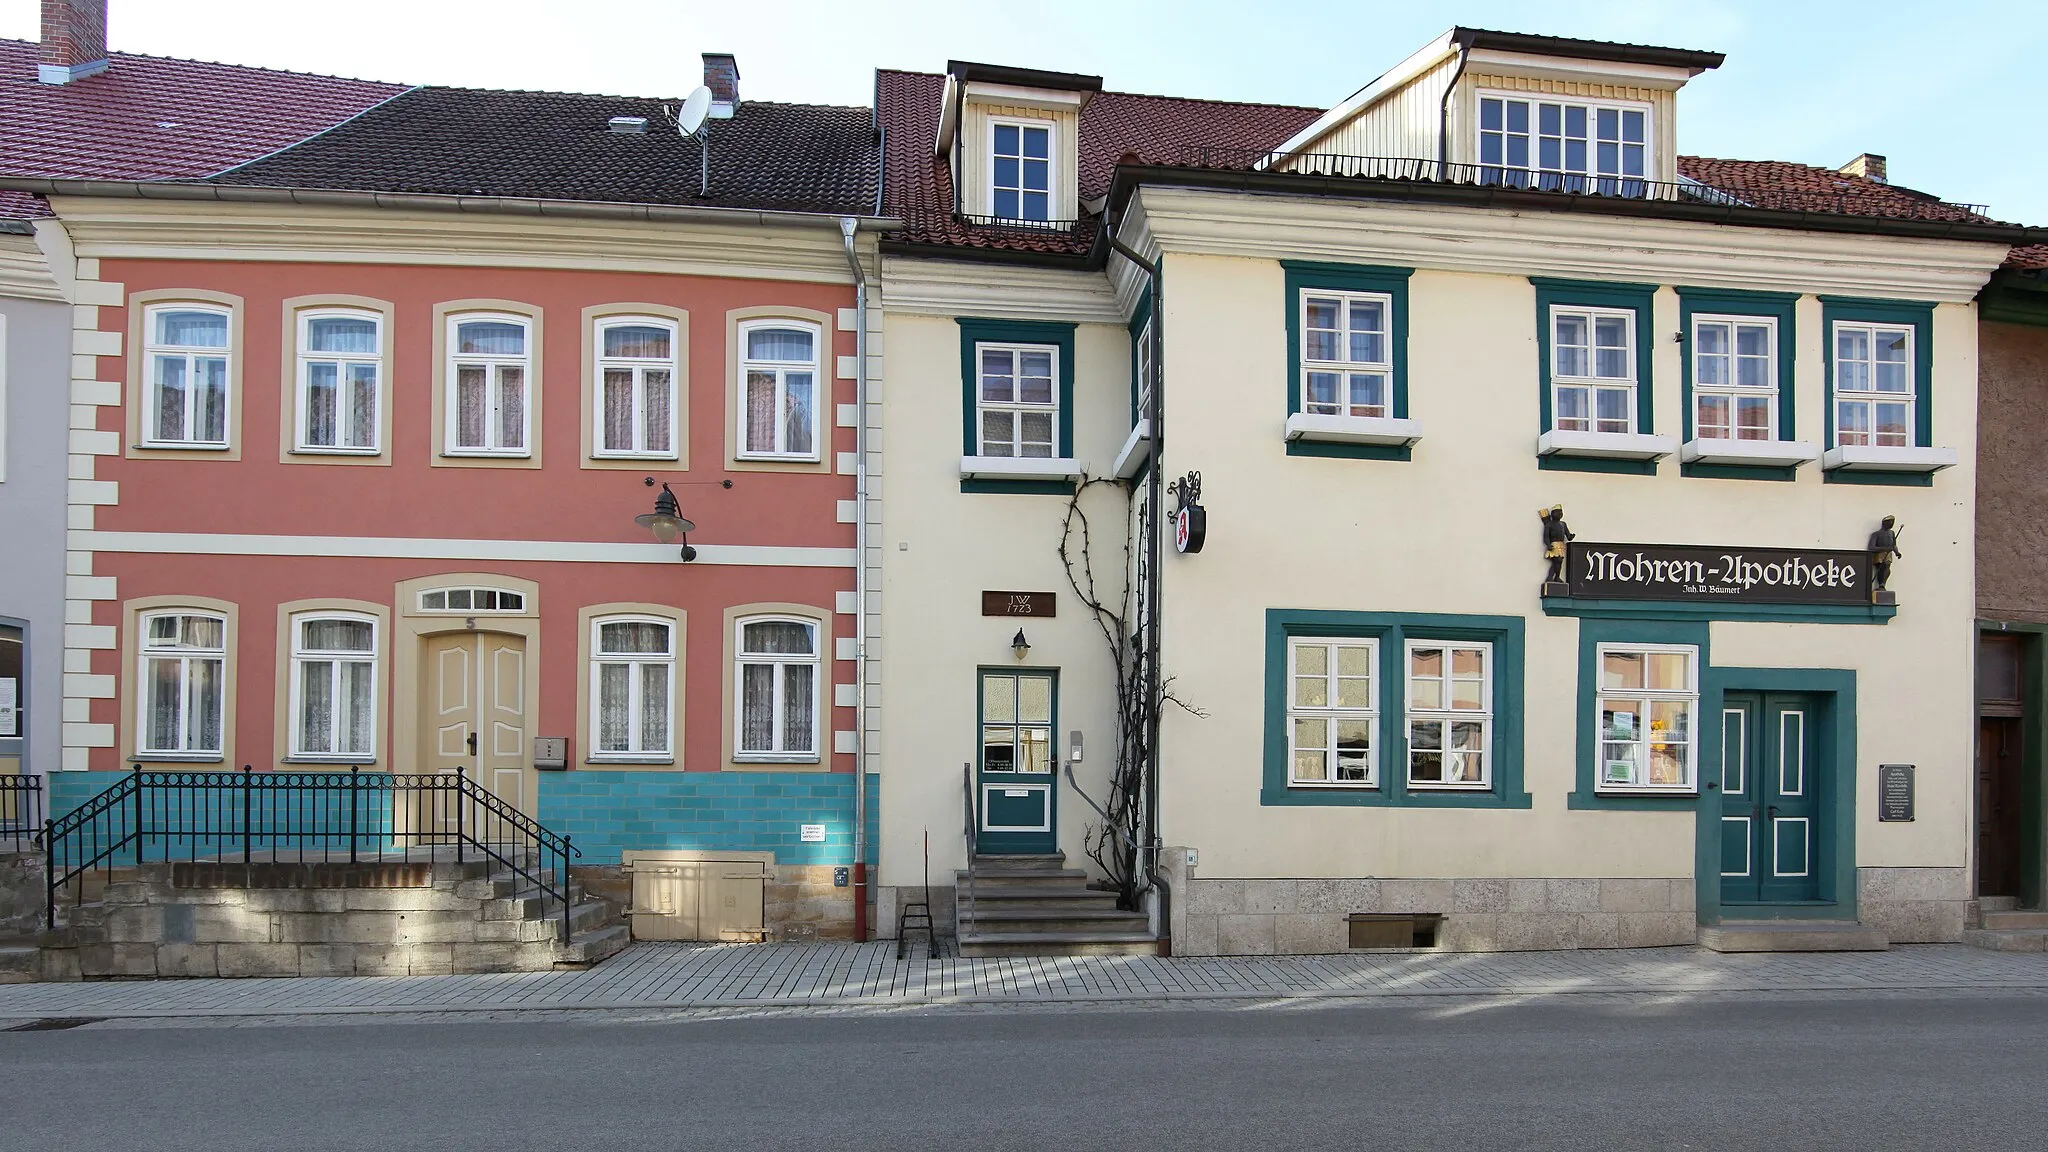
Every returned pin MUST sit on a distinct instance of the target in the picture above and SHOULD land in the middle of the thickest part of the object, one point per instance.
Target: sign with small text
(1894, 792)
(1019, 604)
(1737, 575)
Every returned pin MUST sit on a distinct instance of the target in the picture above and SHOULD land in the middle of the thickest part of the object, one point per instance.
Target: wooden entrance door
(1773, 792)
(474, 712)
(1998, 806)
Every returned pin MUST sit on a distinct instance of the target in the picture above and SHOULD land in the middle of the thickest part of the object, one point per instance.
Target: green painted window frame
(1593, 633)
(1393, 630)
(1639, 298)
(1140, 316)
(1392, 282)
(1917, 314)
(1779, 306)
(1055, 334)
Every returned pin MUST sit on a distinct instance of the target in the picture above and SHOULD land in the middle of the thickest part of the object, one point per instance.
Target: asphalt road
(1559, 1073)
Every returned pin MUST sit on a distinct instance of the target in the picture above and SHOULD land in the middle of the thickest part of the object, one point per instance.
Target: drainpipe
(1443, 113)
(847, 226)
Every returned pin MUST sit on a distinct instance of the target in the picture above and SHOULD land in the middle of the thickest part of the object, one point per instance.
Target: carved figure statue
(1884, 548)
(1555, 536)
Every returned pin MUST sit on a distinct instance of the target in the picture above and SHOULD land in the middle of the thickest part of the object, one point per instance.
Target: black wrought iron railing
(21, 812)
(251, 818)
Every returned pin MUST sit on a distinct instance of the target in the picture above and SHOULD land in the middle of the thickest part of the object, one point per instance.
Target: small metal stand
(916, 916)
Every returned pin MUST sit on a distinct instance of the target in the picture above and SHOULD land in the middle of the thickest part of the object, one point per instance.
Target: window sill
(177, 758)
(1642, 801)
(1379, 798)
(1312, 786)
(772, 760)
(458, 454)
(1870, 458)
(772, 458)
(180, 446)
(1750, 453)
(302, 450)
(1019, 468)
(602, 761)
(334, 762)
(1384, 431)
(650, 456)
(1136, 452)
(1605, 445)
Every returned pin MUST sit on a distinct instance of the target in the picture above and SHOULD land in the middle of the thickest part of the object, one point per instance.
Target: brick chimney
(722, 76)
(74, 40)
(1870, 166)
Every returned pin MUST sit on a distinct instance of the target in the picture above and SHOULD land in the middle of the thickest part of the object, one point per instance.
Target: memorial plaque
(1019, 604)
(1727, 575)
(1894, 792)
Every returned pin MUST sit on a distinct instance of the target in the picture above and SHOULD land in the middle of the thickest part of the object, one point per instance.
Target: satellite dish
(690, 117)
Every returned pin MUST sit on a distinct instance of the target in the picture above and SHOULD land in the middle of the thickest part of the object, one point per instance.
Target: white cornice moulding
(1136, 451)
(1871, 458)
(1605, 445)
(1582, 245)
(1353, 429)
(1764, 453)
(1019, 468)
(24, 271)
(1004, 292)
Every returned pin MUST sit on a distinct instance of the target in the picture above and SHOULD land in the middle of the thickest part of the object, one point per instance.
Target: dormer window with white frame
(1021, 169)
(1565, 145)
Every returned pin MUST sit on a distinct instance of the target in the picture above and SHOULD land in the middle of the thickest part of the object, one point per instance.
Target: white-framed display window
(1021, 169)
(632, 687)
(340, 363)
(1347, 366)
(1449, 714)
(776, 702)
(1734, 377)
(1564, 144)
(470, 601)
(636, 372)
(334, 687)
(1647, 713)
(780, 381)
(181, 706)
(1874, 385)
(490, 376)
(1017, 400)
(1332, 712)
(186, 360)
(1593, 369)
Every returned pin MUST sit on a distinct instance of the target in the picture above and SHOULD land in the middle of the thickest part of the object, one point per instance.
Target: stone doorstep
(2008, 939)
(1792, 936)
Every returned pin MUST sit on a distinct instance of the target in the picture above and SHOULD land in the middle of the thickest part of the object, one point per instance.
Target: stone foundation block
(1470, 931)
(1598, 930)
(1635, 896)
(1536, 932)
(1310, 934)
(135, 923)
(1339, 896)
(187, 960)
(1658, 929)
(1217, 897)
(259, 959)
(1572, 895)
(1197, 936)
(1916, 921)
(327, 959)
(1479, 896)
(1415, 896)
(497, 957)
(117, 960)
(430, 959)
(1244, 935)
(381, 959)
(227, 924)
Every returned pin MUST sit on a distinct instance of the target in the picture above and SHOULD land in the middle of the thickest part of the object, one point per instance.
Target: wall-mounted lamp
(667, 522)
(1020, 645)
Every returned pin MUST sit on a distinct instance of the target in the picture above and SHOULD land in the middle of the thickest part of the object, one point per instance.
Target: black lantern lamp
(1020, 645)
(667, 522)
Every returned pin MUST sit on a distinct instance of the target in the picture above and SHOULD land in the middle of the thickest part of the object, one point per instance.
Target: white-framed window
(468, 600)
(341, 356)
(1593, 369)
(1564, 145)
(1332, 712)
(1017, 400)
(1020, 169)
(776, 690)
(779, 370)
(1144, 369)
(636, 387)
(1874, 384)
(334, 686)
(490, 374)
(632, 687)
(1735, 377)
(1347, 364)
(1646, 711)
(1450, 714)
(186, 350)
(183, 698)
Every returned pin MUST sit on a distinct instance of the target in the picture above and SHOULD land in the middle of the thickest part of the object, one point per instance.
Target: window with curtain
(1332, 712)
(185, 353)
(1018, 400)
(632, 695)
(636, 373)
(183, 692)
(1593, 369)
(334, 687)
(778, 690)
(341, 356)
(779, 371)
(490, 371)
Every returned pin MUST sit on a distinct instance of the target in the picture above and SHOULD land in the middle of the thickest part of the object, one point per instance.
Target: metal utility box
(679, 895)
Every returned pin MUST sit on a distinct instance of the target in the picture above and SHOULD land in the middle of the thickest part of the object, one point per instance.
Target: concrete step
(2009, 940)
(594, 947)
(1053, 861)
(1997, 921)
(1044, 920)
(1997, 903)
(1026, 896)
(1792, 936)
(1058, 944)
(1025, 877)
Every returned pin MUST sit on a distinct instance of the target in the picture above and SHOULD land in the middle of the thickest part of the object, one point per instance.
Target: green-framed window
(1016, 396)
(1633, 673)
(1879, 357)
(1736, 379)
(1593, 342)
(1389, 709)
(1347, 349)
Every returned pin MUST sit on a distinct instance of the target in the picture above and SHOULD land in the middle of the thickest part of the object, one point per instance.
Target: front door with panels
(474, 712)
(1773, 787)
(1015, 785)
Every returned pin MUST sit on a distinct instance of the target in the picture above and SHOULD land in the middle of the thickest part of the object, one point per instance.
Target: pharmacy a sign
(1723, 575)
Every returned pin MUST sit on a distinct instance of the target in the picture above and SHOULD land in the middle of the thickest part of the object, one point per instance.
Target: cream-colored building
(1392, 335)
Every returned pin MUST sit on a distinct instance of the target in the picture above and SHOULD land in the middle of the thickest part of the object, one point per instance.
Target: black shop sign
(1726, 575)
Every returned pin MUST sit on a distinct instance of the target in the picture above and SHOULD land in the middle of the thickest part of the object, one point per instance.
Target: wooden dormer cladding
(980, 97)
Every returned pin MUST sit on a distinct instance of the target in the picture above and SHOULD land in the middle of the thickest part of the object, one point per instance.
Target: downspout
(847, 226)
(1443, 114)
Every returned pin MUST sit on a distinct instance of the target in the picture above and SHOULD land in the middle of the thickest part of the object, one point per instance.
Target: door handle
(1772, 811)
(472, 743)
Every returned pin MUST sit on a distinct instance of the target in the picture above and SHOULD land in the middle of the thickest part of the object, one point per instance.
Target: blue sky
(1949, 91)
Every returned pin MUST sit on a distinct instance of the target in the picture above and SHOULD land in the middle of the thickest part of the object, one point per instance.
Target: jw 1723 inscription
(1019, 604)
(1741, 575)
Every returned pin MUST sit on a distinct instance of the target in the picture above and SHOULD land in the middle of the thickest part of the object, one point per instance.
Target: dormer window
(1021, 169)
(1564, 146)
(1011, 137)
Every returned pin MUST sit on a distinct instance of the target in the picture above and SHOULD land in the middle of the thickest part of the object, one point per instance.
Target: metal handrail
(967, 783)
(21, 812)
(310, 817)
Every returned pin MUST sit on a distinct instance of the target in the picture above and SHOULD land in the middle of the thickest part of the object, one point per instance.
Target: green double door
(1773, 842)
(1015, 783)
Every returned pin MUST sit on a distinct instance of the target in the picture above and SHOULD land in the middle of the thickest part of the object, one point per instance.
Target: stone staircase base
(1999, 924)
(1792, 936)
(1037, 906)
